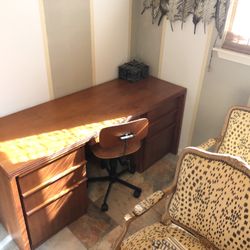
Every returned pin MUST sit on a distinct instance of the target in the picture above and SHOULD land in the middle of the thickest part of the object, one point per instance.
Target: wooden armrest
(139, 209)
(209, 143)
(148, 203)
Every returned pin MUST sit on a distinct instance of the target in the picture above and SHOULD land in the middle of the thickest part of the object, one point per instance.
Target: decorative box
(133, 71)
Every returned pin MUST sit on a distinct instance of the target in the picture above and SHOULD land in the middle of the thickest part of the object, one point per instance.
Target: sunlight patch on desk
(45, 144)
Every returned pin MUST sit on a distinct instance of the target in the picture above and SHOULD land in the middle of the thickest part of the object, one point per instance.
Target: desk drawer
(161, 123)
(47, 221)
(49, 191)
(162, 110)
(32, 180)
(158, 145)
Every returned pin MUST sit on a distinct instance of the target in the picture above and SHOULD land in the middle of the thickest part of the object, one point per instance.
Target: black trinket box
(133, 71)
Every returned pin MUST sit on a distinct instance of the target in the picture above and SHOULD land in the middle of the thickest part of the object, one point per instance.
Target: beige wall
(145, 38)
(184, 60)
(69, 41)
(111, 37)
(23, 69)
(81, 41)
(23, 77)
(227, 84)
(179, 57)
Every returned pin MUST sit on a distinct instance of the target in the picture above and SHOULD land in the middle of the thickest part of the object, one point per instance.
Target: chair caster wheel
(137, 193)
(104, 207)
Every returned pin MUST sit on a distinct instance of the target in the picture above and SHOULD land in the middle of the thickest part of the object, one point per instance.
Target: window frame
(229, 54)
(229, 37)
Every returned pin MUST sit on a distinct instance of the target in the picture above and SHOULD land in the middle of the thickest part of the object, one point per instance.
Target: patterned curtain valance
(178, 10)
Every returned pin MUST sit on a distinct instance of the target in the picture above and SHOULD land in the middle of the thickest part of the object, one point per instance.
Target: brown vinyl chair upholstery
(207, 207)
(115, 143)
(111, 145)
(235, 135)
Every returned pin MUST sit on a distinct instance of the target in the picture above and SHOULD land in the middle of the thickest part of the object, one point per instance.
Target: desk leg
(11, 213)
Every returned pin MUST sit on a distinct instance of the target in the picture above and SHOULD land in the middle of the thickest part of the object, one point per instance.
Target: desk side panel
(179, 119)
(11, 213)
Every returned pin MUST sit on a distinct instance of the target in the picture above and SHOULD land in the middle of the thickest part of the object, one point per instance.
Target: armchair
(235, 135)
(207, 207)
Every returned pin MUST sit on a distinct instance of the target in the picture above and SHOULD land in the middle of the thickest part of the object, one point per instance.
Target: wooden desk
(42, 163)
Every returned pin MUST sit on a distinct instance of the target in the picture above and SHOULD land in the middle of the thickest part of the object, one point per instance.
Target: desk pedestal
(39, 203)
(164, 132)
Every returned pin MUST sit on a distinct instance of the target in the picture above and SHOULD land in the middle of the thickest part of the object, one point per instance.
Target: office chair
(115, 143)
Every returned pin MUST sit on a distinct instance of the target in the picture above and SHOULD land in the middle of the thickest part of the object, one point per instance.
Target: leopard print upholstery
(208, 144)
(146, 204)
(236, 140)
(160, 236)
(213, 199)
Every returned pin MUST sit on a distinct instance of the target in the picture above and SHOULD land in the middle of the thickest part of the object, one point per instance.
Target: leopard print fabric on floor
(156, 237)
(213, 199)
(236, 140)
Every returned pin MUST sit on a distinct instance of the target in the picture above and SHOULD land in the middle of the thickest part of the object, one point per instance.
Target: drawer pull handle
(52, 180)
(56, 197)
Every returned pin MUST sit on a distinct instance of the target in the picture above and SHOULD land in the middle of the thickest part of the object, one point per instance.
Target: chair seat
(160, 235)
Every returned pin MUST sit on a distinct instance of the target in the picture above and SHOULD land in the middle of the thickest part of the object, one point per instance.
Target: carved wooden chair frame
(168, 193)
(216, 142)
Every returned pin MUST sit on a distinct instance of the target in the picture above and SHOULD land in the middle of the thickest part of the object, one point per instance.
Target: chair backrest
(212, 198)
(236, 133)
(127, 136)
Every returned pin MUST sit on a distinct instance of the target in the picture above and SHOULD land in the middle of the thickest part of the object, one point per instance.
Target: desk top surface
(35, 136)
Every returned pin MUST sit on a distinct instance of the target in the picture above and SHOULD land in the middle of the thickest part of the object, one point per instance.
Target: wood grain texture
(177, 131)
(62, 119)
(47, 221)
(157, 146)
(31, 180)
(42, 172)
(11, 213)
(48, 193)
(164, 132)
(111, 146)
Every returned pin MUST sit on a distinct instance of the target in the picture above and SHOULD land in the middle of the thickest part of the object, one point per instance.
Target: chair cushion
(236, 140)
(212, 198)
(157, 236)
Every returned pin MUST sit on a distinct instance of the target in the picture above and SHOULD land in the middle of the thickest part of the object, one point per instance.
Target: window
(238, 34)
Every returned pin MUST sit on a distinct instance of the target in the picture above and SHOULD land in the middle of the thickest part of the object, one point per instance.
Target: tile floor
(96, 230)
